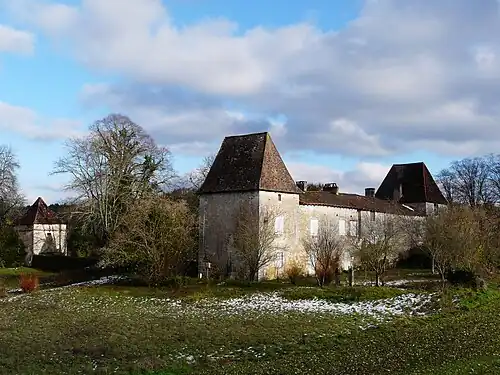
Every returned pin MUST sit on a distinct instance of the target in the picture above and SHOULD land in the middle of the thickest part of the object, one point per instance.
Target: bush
(29, 282)
(11, 247)
(326, 275)
(157, 237)
(294, 271)
(461, 277)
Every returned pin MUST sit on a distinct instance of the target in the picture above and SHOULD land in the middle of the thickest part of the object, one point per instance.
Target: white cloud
(404, 75)
(363, 175)
(181, 119)
(17, 41)
(26, 122)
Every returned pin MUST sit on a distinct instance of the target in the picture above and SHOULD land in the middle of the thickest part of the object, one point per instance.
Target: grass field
(266, 328)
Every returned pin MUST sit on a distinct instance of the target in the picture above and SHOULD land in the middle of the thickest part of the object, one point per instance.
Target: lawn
(266, 328)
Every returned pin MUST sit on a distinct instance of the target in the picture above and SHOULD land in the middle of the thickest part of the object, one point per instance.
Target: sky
(345, 87)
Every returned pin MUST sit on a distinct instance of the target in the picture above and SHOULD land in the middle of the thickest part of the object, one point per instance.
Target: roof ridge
(245, 135)
(262, 160)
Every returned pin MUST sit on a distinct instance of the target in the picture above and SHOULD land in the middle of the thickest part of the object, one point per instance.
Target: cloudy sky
(345, 87)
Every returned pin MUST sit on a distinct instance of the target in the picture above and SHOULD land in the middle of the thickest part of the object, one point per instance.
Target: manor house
(248, 170)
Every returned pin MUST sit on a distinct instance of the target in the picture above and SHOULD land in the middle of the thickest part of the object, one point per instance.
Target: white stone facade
(294, 222)
(44, 238)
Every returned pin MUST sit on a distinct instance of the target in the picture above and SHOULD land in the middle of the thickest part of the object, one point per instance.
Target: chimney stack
(398, 193)
(302, 185)
(370, 192)
(331, 187)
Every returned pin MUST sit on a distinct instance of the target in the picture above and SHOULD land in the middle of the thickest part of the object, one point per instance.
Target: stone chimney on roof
(331, 187)
(370, 192)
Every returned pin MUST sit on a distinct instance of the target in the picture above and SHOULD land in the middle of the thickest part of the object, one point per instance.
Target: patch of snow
(411, 304)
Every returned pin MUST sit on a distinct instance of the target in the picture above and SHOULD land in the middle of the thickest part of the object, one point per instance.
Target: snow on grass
(411, 304)
(258, 303)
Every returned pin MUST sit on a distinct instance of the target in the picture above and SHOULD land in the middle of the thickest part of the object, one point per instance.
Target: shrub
(294, 271)
(29, 282)
(461, 277)
(326, 274)
(157, 237)
(11, 247)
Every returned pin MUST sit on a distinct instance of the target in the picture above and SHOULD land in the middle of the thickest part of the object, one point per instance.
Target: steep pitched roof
(38, 213)
(418, 185)
(248, 162)
(353, 201)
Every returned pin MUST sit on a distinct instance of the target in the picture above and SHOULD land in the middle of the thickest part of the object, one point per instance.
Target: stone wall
(218, 216)
(34, 237)
(41, 233)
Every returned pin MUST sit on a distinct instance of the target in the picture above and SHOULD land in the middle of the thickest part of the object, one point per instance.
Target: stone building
(248, 171)
(41, 231)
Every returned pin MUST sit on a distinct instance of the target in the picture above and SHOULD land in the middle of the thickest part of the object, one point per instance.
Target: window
(436, 208)
(372, 215)
(314, 227)
(353, 228)
(280, 260)
(279, 225)
(279, 197)
(342, 230)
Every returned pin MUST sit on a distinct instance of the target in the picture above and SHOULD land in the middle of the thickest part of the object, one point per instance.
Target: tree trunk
(377, 277)
(433, 265)
(337, 277)
(323, 278)
(443, 278)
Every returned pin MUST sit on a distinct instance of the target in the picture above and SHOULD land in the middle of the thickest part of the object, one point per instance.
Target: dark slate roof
(418, 185)
(38, 213)
(248, 162)
(353, 201)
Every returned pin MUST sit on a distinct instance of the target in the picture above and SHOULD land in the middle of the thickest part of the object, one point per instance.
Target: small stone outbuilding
(41, 231)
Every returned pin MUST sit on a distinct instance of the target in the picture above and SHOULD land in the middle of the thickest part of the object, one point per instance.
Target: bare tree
(10, 195)
(198, 176)
(157, 236)
(446, 182)
(116, 164)
(468, 181)
(325, 251)
(380, 243)
(255, 239)
(494, 171)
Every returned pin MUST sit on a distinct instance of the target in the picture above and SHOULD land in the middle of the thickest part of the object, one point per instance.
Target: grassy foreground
(200, 330)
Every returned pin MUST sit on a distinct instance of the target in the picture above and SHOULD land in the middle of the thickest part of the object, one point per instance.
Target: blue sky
(345, 87)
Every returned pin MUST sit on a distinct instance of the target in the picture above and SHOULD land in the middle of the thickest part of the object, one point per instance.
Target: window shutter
(279, 225)
(314, 227)
(353, 228)
(342, 227)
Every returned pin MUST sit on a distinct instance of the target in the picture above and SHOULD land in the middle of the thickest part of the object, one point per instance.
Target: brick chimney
(370, 192)
(302, 185)
(331, 187)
